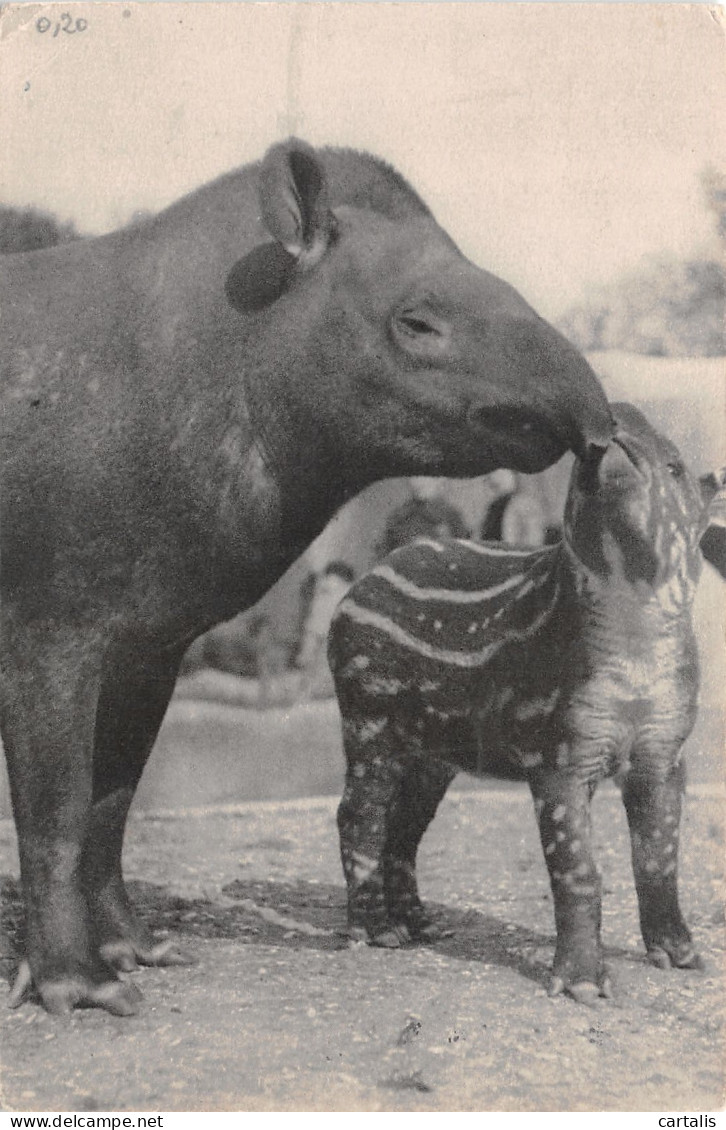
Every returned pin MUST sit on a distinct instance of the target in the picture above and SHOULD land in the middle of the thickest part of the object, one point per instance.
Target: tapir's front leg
(653, 804)
(562, 805)
(134, 695)
(371, 784)
(49, 696)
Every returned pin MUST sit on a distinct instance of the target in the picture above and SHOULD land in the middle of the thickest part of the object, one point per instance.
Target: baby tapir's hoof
(400, 931)
(387, 937)
(676, 957)
(60, 997)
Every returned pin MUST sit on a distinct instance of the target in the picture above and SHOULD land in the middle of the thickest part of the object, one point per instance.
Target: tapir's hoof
(684, 958)
(426, 931)
(60, 997)
(126, 957)
(119, 955)
(429, 932)
(584, 992)
(392, 937)
(165, 953)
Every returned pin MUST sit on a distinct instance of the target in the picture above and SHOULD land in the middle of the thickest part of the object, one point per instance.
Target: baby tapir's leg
(422, 787)
(562, 805)
(653, 805)
(372, 780)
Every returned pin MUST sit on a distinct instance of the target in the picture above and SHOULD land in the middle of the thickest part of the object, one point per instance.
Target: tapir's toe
(22, 987)
(60, 996)
(119, 955)
(121, 998)
(424, 929)
(126, 956)
(387, 937)
(682, 956)
(165, 953)
(581, 990)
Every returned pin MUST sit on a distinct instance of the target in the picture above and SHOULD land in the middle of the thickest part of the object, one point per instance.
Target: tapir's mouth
(525, 441)
(605, 467)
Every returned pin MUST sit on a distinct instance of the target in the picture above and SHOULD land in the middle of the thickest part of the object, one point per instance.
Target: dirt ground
(281, 1013)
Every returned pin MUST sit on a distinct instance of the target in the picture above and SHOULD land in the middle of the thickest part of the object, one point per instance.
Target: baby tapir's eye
(675, 468)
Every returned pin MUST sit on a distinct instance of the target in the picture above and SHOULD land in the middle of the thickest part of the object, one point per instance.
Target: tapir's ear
(294, 199)
(713, 541)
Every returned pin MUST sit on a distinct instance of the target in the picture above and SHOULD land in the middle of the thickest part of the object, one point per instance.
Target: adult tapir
(185, 405)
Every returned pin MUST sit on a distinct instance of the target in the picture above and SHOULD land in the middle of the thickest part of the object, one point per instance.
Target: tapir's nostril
(596, 437)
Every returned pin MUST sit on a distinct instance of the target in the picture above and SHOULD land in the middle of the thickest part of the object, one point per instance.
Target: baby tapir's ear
(713, 541)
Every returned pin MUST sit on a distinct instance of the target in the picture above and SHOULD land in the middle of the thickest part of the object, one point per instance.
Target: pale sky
(558, 143)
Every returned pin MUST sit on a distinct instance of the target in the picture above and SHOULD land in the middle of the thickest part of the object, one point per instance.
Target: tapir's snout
(614, 466)
(574, 402)
(592, 426)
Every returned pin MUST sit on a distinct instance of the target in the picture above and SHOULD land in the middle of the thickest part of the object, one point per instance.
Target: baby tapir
(562, 665)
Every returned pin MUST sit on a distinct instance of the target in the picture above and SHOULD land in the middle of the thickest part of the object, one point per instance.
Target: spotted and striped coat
(561, 665)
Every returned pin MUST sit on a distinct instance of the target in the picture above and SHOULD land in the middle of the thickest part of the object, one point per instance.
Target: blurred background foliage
(29, 229)
(669, 307)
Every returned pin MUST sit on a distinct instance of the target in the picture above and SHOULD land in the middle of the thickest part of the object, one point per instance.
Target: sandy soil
(281, 1013)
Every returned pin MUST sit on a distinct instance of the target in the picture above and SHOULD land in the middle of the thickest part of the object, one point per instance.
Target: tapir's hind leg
(653, 805)
(421, 790)
(49, 694)
(133, 700)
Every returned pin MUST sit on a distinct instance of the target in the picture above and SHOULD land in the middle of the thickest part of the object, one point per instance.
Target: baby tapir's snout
(563, 666)
(634, 509)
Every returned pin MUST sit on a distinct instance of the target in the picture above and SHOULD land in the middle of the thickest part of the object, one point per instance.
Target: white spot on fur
(559, 813)
(370, 730)
(383, 686)
(363, 867)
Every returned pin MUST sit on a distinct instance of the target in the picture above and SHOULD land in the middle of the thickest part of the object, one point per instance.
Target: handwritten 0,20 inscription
(65, 23)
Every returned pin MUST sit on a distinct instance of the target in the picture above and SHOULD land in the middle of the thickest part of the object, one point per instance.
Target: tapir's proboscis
(562, 665)
(185, 405)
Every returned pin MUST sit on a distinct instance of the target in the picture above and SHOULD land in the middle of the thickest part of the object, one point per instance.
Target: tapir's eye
(416, 326)
(675, 468)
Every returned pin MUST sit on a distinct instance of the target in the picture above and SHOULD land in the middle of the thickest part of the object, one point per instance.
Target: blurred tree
(670, 307)
(29, 229)
(714, 187)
